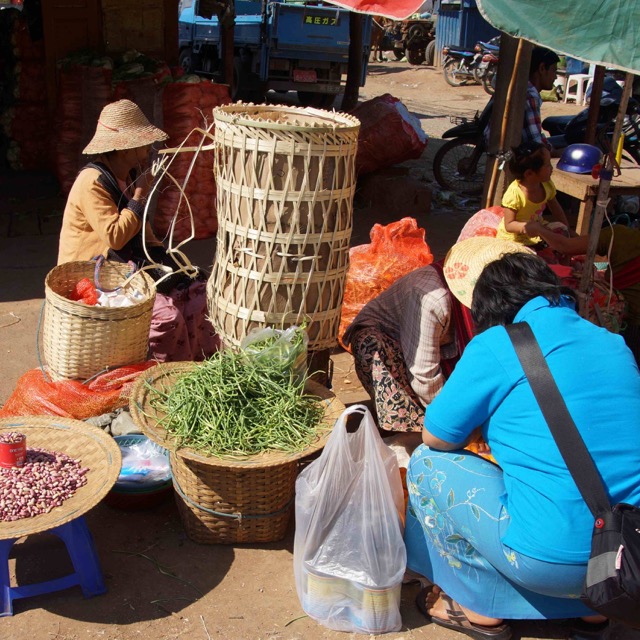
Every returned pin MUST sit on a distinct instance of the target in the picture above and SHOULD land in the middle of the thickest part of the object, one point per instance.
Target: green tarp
(604, 32)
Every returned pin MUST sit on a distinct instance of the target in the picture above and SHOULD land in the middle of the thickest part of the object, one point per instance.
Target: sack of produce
(389, 134)
(349, 556)
(395, 250)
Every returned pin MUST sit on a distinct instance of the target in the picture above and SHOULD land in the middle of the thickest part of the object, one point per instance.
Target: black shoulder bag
(612, 584)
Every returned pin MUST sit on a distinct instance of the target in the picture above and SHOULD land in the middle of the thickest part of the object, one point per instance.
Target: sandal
(458, 621)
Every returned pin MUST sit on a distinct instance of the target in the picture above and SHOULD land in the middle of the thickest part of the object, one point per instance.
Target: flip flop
(458, 621)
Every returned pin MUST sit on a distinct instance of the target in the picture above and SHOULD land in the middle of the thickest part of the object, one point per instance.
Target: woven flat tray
(163, 376)
(91, 446)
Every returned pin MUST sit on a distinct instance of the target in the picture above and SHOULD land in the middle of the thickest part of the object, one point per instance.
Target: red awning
(394, 9)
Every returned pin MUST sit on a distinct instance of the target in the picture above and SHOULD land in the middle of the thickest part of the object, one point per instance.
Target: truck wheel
(415, 56)
(316, 100)
(186, 60)
(430, 53)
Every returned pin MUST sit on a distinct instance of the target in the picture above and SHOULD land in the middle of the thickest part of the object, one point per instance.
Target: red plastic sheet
(394, 9)
(395, 250)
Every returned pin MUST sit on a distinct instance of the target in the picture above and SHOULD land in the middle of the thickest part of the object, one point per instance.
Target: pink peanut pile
(46, 480)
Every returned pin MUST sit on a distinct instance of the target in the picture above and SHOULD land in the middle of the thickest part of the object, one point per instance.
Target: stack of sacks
(25, 119)
(187, 105)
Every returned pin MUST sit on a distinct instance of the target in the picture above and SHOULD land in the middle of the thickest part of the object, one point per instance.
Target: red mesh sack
(82, 93)
(187, 106)
(389, 134)
(395, 250)
(35, 394)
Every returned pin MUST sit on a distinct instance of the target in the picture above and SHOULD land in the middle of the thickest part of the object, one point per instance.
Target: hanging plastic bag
(349, 556)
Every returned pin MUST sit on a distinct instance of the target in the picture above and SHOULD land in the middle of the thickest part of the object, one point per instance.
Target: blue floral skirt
(454, 530)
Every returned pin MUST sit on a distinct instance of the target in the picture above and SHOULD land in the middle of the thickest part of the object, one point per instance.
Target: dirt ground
(160, 584)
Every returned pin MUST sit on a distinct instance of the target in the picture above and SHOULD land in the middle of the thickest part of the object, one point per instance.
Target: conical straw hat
(466, 260)
(122, 125)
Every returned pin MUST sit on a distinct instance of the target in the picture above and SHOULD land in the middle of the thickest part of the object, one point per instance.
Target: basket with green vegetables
(240, 403)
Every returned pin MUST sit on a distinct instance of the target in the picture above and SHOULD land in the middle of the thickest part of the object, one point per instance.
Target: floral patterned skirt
(454, 529)
(383, 373)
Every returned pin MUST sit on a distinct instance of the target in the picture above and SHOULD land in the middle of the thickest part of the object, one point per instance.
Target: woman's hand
(532, 228)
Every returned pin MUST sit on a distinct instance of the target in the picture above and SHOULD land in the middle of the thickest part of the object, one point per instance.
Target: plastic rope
(44, 373)
(235, 516)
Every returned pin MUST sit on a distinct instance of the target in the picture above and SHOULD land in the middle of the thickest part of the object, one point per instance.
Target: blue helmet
(579, 158)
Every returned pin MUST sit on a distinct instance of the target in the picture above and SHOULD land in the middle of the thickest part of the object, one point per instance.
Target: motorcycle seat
(461, 51)
(487, 46)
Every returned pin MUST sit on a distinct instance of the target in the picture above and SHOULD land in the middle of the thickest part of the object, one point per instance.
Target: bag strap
(561, 424)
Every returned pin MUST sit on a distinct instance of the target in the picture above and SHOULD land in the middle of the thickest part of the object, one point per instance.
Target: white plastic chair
(579, 82)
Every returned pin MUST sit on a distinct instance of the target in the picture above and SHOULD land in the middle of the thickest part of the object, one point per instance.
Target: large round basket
(286, 180)
(228, 499)
(80, 340)
(91, 446)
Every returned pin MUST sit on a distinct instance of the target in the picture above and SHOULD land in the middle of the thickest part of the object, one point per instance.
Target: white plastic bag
(349, 556)
(284, 347)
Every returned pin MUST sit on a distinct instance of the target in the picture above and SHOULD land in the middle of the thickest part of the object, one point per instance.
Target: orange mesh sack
(482, 223)
(35, 394)
(395, 250)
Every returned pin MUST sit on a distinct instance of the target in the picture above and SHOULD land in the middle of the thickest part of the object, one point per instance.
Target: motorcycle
(460, 164)
(458, 65)
(566, 130)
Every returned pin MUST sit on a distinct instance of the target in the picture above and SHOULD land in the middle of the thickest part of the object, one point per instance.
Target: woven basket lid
(163, 376)
(91, 446)
(285, 118)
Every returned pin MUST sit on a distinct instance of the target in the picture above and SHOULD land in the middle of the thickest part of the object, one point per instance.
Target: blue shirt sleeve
(475, 389)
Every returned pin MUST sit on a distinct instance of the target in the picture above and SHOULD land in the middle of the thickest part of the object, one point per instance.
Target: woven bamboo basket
(91, 446)
(286, 179)
(225, 500)
(80, 340)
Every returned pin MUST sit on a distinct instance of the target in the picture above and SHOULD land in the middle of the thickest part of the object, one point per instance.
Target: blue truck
(278, 45)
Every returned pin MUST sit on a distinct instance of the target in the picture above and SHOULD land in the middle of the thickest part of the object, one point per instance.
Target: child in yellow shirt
(529, 194)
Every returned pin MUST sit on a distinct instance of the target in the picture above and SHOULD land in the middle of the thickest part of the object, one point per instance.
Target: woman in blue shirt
(512, 541)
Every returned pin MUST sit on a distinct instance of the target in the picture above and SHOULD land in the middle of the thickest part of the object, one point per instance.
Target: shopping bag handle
(96, 275)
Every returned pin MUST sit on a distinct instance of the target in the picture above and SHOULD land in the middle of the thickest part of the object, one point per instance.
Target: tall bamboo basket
(80, 340)
(286, 179)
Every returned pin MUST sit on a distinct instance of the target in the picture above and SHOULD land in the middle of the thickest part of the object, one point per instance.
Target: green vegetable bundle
(235, 404)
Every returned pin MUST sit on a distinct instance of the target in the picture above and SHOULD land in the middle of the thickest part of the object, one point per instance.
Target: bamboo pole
(506, 128)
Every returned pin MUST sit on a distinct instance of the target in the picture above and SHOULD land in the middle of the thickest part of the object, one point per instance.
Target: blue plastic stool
(79, 542)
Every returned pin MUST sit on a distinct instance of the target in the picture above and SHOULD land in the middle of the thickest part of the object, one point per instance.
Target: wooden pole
(594, 104)
(354, 67)
(508, 109)
(606, 175)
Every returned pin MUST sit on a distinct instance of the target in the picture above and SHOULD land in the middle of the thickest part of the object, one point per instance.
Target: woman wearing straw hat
(104, 215)
(512, 541)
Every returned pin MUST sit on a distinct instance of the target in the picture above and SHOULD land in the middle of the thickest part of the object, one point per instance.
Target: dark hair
(507, 284)
(542, 55)
(528, 156)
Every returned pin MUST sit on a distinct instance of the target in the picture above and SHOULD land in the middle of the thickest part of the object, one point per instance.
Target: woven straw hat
(122, 125)
(466, 260)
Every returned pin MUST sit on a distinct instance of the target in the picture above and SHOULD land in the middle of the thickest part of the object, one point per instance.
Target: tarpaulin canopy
(603, 32)
(394, 9)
